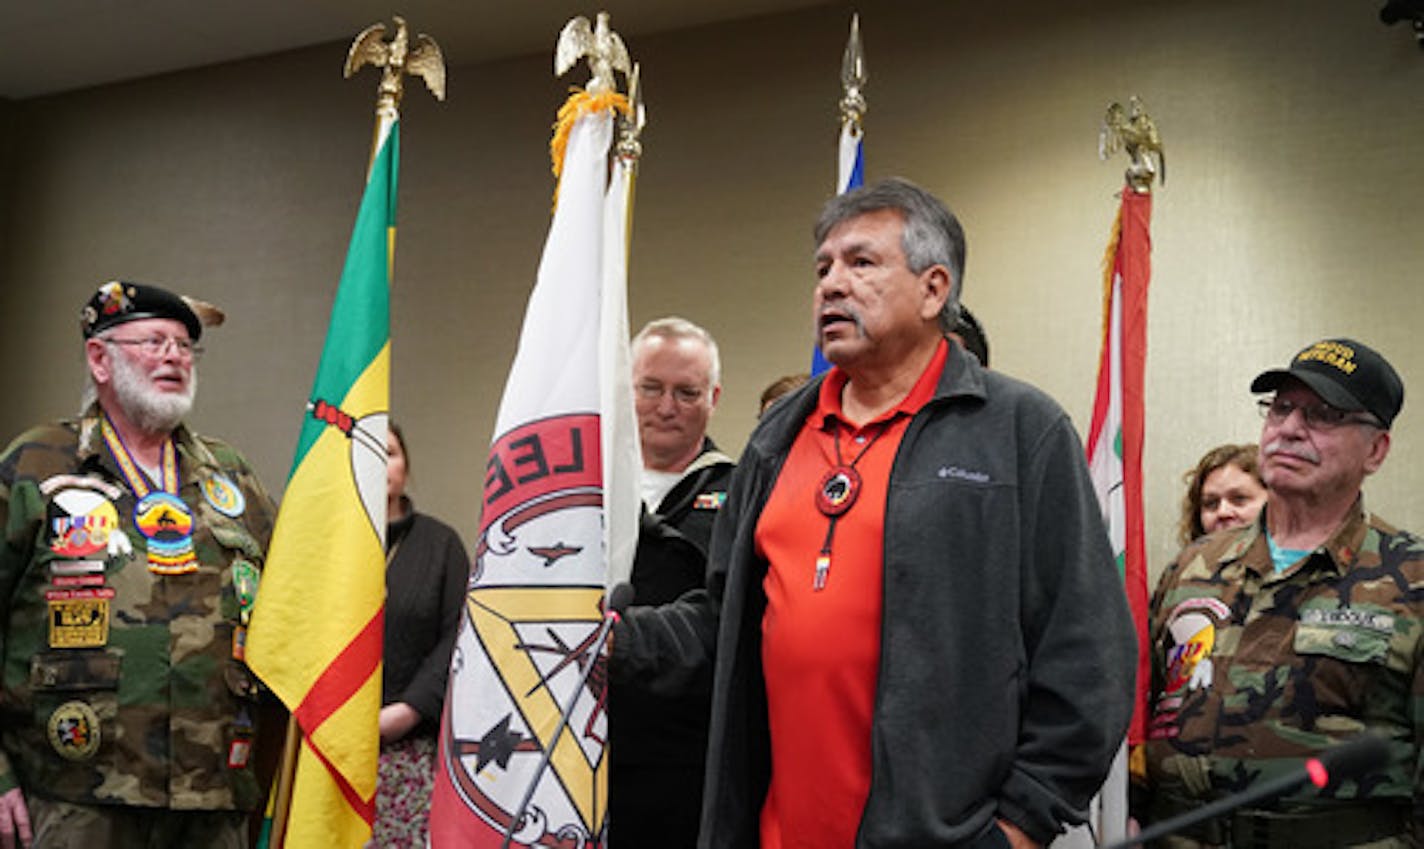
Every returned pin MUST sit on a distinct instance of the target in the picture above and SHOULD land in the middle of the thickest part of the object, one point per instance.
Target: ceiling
(63, 45)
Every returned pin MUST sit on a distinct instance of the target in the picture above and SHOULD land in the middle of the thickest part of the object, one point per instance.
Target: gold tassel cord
(579, 104)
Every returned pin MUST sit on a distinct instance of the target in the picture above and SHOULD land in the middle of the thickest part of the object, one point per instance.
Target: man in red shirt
(921, 636)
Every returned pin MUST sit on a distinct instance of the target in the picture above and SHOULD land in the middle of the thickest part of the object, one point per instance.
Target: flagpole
(1116, 434)
(850, 151)
(853, 106)
(622, 451)
(396, 59)
(348, 774)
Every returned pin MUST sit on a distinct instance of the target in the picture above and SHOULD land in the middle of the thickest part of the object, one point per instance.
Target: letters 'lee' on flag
(850, 153)
(529, 648)
(1116, 435)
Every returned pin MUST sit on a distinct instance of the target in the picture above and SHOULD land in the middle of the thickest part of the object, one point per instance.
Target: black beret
(119, 301)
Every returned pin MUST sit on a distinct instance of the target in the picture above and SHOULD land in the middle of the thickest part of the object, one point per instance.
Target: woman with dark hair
(1224, 490)
(426, 572)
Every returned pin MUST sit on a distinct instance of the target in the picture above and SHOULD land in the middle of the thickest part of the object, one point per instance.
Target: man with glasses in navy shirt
(658, 740)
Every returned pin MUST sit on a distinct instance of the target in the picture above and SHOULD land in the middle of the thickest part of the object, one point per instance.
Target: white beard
(150, 410)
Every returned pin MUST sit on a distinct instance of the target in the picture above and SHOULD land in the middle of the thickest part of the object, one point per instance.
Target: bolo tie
(838, 491)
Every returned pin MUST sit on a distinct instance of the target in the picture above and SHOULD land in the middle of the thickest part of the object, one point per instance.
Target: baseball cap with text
(1346, 374)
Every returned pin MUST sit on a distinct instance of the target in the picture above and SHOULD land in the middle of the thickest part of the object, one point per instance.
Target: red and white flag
(1115, 455)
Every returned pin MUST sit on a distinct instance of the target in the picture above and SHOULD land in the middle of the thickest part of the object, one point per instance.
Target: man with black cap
(1275, 642)
(130, 560)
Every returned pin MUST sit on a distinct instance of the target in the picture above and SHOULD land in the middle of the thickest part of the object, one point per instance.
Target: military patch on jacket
(1189, 637)
(245, 579)
(238, 754)
(74, 731)
(1349, 618)
(76, 567)
(83, 523)
(224, 495)
(709, 501)
(79, 618)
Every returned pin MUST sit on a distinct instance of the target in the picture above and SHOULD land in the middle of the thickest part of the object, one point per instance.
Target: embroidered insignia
(76, 567)
(238, 753)
(1187, 647)
(77, 581)
(79, 618)
(245, 579)
(113, 299)
(239, 644)
(167, 523)
(56, 482)
(709, 501)
(224, 495)
(1382, 623)
(74, 731)
(82, 523)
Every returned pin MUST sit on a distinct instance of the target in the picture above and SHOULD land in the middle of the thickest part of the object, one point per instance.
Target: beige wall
(1291, 212)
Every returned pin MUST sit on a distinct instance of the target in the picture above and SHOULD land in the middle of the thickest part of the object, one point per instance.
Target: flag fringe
(1109, 269)
(579, 104)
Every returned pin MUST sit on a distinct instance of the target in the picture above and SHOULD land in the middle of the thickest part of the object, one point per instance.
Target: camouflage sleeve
(14, 555)
(1416, 711)
(8, 574)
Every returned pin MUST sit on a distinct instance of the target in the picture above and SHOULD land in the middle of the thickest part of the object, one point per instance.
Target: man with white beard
(1278, 641)
(130, 561)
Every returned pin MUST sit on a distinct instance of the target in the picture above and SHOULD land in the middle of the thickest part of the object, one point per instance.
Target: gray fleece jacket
(1007, 649)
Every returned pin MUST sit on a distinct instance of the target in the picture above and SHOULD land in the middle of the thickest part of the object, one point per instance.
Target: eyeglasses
(686, 395)
(154, 347)
(1316, 416)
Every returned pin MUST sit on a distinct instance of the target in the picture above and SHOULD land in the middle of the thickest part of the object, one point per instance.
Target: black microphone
(617, 601)
(1347, 760)
(619, 597)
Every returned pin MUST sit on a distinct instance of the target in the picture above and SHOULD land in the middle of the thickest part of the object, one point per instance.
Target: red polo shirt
(821, 648)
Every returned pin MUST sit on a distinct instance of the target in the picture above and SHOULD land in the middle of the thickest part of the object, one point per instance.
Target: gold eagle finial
(397, 58)
(1133, 130)
(602, 46)
(853, 77)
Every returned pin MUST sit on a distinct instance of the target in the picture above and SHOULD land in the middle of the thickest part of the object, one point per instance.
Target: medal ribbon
(137, 479)
(170, 549)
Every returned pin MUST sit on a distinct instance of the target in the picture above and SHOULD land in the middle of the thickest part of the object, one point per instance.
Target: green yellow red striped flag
(316, 630)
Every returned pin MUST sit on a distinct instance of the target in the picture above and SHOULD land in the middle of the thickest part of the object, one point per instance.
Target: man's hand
(14, 821)
(397, 719)
(1016, 836)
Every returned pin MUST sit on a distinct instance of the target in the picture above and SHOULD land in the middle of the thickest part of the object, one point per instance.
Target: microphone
(618, 599)
(1347, 760)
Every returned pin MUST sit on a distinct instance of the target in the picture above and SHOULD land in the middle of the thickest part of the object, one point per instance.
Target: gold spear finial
(630, 127)
(1133, 130)
(853, 77)
(602, 46)
(396, 59)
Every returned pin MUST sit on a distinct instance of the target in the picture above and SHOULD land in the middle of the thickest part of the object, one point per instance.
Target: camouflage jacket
(120, 685)
(1253, 671)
